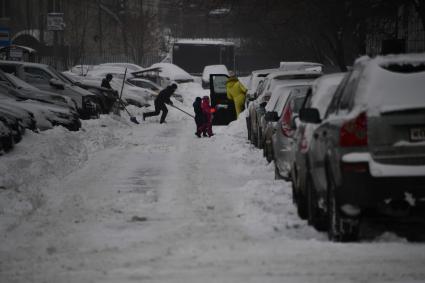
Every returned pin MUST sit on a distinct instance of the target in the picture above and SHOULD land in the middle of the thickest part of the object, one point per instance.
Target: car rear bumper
(360, 189)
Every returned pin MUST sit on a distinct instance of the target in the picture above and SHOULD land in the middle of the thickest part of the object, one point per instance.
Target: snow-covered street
(119, 202)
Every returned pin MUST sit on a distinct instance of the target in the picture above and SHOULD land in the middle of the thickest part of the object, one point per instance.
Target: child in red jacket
(207, 110)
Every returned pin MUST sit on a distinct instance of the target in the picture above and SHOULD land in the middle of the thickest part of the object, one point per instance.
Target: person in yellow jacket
(236, 91)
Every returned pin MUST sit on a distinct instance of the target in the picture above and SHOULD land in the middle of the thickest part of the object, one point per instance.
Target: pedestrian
(207, 111)
(106, 81)
(199, 116)
(160, 101)
(236, 92)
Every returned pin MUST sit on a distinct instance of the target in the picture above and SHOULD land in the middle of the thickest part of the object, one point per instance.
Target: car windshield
(60, 76)
(20, 83)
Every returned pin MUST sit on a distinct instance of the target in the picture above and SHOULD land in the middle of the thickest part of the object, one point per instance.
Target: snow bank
(50, 156)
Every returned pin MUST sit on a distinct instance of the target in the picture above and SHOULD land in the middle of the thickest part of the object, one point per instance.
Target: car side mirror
(310, 115)
(271, 116)
(57, 84)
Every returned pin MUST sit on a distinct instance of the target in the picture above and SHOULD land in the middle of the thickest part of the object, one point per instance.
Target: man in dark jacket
(162, 99)
(106, 82)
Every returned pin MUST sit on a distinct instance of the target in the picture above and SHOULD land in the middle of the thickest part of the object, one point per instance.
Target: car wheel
(316, 217)
(269, 152)
(248, 127)
(259, 144)
(277, 175)
(340, 228)
(253, 137)
(302, 206)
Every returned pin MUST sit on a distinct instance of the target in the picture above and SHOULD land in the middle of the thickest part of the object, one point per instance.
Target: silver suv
(368, 153)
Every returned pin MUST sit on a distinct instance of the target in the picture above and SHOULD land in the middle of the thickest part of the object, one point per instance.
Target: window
(4, 8)
(349, 90)
(333, 106)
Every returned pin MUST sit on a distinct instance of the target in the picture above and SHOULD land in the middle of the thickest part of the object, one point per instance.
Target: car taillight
(354, 132)
(286, 121)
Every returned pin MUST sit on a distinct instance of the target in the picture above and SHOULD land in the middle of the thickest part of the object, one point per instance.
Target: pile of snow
(41, 158)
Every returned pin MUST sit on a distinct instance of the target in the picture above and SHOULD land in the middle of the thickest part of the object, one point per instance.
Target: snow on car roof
(323, 91)
(384, 88)
(171, 71)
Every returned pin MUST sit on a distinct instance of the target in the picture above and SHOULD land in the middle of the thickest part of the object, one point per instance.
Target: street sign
(55, 22)
(4, 37)
(15, 53)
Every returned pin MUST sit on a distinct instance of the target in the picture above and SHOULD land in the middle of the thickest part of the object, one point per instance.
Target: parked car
(319, 96)
(130, 67)
(254, 84)
(39, 115)
(257, 108)
(151, 88)
(25, 117)
(6, 139)
(15, 125)
(47, 78)
(272, 114)
(369, 153)
(301, 66)
(282, 139)
(212, 69)
(169, 73)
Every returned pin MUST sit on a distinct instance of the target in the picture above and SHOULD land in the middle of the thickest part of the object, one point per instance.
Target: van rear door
(225, 108)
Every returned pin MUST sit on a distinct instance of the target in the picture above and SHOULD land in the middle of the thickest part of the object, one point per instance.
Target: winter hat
(232, 74)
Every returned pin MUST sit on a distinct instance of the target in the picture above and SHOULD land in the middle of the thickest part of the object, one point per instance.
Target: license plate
(417, 134)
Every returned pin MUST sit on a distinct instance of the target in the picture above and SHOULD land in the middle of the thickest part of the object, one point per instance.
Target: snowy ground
(118, 202)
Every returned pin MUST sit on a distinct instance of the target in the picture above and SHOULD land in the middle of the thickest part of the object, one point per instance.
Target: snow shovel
(132, 118)
(183, 111)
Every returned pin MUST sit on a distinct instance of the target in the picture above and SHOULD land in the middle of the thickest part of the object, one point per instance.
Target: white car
(169, 73)
(212, 69)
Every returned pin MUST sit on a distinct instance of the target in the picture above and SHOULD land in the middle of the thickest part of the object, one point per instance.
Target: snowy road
(153, 203)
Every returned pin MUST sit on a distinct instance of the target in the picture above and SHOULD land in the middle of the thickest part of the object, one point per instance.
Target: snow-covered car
(368, 157)
(301, 66)
(318, 96)
(25, 117)
(6, 139)
(169, 73)
(152, 87)
(283, 138)
(15, 125)
(47, 78)
(23, 90)
(80, 70)
(212, 69)
(257, 109)
(254, 87)
(273, 111)
(101, 72)
(130, 67)
(39, 115)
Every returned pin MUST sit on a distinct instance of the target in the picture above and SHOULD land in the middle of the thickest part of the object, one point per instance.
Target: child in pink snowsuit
(207, 110)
